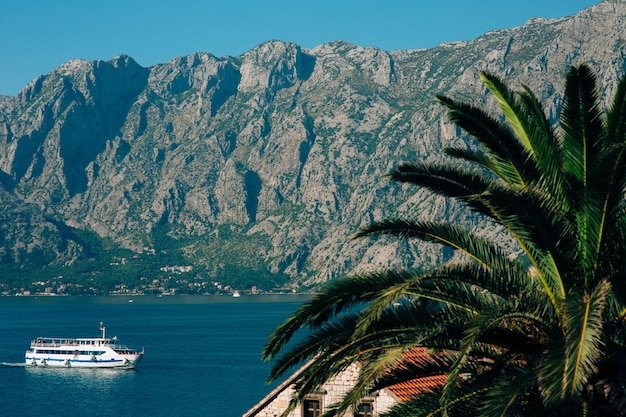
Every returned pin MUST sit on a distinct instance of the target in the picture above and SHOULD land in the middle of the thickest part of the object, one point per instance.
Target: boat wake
(12, 364)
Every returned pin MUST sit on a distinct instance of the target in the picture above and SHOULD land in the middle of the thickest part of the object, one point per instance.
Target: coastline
(155, 299)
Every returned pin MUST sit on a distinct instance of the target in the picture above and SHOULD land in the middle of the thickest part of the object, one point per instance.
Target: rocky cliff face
(271, 159)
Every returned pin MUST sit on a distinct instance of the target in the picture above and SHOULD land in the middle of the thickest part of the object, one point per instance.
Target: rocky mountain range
(268, 160)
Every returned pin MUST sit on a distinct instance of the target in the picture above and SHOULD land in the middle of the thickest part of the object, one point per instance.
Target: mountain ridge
(271, 159)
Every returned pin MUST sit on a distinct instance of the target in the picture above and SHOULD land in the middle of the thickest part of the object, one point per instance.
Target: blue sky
(37, 36)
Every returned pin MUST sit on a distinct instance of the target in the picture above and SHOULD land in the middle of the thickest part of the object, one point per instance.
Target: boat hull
(83, 361)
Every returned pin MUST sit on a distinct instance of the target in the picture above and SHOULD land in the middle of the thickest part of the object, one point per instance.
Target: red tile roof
(408, 389)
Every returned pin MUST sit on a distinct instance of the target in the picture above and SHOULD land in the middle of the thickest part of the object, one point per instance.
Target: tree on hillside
(541, 333)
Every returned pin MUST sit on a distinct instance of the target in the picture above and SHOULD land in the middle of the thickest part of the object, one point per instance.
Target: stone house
(316, 403)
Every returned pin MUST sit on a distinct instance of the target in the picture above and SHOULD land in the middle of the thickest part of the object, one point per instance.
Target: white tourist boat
(99, 352)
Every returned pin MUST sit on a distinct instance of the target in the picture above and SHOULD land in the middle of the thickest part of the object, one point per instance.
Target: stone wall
(330, 393)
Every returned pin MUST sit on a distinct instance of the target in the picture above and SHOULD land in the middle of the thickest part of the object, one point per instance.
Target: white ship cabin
(58, 342)
(73, 346)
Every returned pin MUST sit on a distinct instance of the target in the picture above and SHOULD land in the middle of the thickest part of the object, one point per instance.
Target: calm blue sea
(202, 354)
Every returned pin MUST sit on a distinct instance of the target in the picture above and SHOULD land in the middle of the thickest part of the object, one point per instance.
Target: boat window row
(73, 342)
(68, 352)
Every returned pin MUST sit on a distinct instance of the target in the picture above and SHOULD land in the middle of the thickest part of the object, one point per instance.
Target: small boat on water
(98, 352)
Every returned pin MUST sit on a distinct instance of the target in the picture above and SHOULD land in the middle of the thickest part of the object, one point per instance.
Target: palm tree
(540, 333)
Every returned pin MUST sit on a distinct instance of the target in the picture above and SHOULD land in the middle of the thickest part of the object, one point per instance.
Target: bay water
(202, 354)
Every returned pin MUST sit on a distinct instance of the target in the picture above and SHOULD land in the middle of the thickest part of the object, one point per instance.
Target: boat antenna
(103, 329)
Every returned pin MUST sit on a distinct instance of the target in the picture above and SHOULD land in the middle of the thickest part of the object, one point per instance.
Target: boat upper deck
(58, 342)
(62, 342)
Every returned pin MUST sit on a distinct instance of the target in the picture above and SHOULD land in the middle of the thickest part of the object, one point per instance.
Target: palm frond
(508, 156)
(504, 327)
(509, 104)
(400, 325)
(567, 363)
(370, 370)
(510, 393)
(327, 337)
(616, 115)
(332, 299)
(428, 404)
(446, 180)
(457, 238)
(375, 356)
(582, 123)
(606, 217)
(435, 363)
(425, 405)
(583, 326)
(531, 127)
(541, 230)
(547, 151)
(450, 293)
(475, 157)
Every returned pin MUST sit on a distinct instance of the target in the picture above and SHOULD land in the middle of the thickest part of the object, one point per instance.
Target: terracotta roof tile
(408, 389)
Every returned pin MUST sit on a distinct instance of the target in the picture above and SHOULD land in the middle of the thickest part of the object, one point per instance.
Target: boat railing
(54, 342)
(79, 343)
(120, 347)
